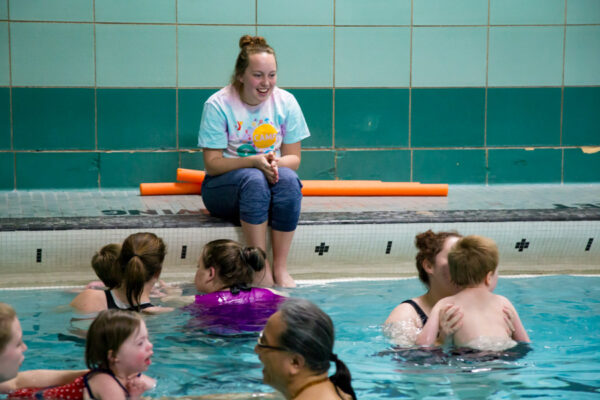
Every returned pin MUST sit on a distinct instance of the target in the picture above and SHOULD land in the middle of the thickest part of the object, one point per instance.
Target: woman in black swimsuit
(432, 264)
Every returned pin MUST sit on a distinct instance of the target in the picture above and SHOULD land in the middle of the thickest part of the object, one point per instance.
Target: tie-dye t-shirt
(243, 130)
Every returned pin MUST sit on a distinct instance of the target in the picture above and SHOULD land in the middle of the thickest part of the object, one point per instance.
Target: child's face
(12, 356)
(134, 354)
(202, 277)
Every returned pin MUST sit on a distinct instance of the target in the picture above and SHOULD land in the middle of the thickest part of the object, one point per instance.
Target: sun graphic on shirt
(264, 136)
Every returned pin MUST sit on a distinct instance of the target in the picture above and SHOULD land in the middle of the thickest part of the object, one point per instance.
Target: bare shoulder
(90, 300)
(402, 312)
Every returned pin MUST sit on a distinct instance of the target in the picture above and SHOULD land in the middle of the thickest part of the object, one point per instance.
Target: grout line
(485, 101)
(410, 65)
(99, 179)
(562, 99)
(177, 81)
(10, 99)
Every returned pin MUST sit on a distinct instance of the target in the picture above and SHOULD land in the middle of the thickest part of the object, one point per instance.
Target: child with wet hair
(104, 264)
(490, 321)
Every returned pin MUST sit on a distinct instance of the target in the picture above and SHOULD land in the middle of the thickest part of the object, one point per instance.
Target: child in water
(117, 351)
(229, 304)
(473, 263)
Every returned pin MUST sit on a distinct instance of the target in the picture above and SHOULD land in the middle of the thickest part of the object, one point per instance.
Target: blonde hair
(471, 259)
(248, 45)
(7, 317)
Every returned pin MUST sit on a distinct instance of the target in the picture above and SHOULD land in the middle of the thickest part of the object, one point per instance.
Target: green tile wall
(7, 171)
(109, 93)
(4, 119)
(386, 165)
(371, 118)
(57, 170)
(53, 119)
(136, 119)
(581, 167)
(524, 166)
(126, 170)
(448, 117)
(581, 120)
(523, 117)
(449, 166)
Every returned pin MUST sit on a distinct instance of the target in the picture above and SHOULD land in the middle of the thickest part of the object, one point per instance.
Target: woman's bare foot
(284, 279)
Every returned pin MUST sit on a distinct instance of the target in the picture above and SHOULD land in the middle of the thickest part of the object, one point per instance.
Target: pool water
(560, 313)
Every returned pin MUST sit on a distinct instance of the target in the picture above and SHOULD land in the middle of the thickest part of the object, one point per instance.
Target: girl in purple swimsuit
(230, 305)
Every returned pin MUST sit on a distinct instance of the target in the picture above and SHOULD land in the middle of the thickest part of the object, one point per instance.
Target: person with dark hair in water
(296, 350)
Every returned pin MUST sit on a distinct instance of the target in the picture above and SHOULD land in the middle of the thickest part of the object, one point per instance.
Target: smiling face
(259, 78)
(12, 356)
(134, 354)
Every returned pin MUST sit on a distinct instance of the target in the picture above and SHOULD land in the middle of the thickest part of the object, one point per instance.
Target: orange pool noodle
(166, 188)
(372, 188)
(190, 175)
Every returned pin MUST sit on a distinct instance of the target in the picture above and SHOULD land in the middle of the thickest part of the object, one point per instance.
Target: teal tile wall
(7, 171)
(524, 166)
(110, 92)
(53, 119)
(191, 104)
(581, 167)
(449, 166)
(371, 118)
(213, 66)
(293, 12)
(581, 119)
(582, 57)
(304, 54)
(52, 10)
(135, 55)
(526, 56)
(374, 12)
(4, 119)
(161, 11)
(317, 107)
(456, 12)
(449, 56)
(57, 170)
(125, 170)
(384, 165)
(136, 119)
(527, 12)
(391, 69)
(583, 12)
(216, 12)
(317, 165)
(448, 117)
(4, 59)
(523, 117)
(45, 54)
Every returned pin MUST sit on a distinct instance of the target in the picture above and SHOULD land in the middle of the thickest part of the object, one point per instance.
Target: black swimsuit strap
(418, 309)
(110, 301)
(101, 371)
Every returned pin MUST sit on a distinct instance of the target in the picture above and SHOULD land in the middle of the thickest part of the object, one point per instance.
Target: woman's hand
(450, 319)
(267, 163)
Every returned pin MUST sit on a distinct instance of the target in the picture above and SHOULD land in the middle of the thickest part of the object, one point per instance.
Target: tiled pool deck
(324, 220)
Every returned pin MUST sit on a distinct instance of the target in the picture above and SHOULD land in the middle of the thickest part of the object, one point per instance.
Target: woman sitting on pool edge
(139, 264)
(225, 273)
(408, 318)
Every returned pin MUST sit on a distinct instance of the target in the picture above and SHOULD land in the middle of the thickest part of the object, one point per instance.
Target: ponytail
(342, 379)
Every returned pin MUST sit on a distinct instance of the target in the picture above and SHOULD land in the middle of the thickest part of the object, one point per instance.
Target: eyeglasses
(260, 344)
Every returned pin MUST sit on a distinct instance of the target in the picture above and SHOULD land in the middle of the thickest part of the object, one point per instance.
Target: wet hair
(471, 259)
(430, 244)
(309, 332)
(108, 332)
(105, 265)
(233, 263)
(141, 258)
(7, 317)
(248, 45)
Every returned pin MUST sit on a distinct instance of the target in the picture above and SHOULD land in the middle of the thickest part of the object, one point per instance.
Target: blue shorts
(246, 195)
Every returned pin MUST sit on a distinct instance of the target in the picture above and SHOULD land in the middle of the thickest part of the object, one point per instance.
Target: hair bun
(248, 40)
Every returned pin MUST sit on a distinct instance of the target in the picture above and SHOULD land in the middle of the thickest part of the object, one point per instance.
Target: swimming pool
(561, 314)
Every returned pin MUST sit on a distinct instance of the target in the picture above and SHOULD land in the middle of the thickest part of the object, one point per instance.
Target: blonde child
(473, 263)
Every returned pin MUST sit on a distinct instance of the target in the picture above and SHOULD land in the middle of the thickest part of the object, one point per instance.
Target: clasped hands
(267, 163)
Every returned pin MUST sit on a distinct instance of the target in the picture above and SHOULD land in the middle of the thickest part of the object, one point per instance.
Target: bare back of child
(490, 321)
